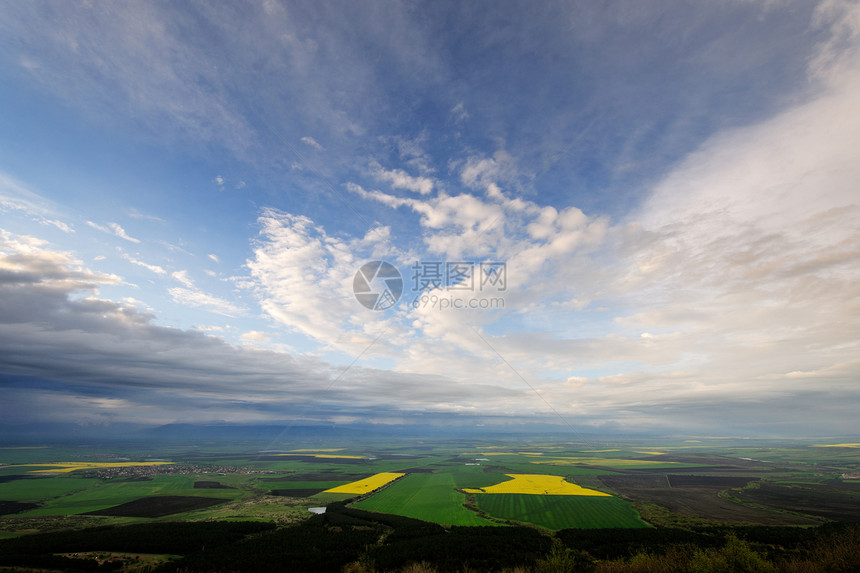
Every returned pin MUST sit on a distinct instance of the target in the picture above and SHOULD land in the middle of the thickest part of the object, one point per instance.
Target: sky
(633, 216)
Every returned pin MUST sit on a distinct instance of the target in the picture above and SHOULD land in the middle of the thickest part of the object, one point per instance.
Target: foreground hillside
(349, 540)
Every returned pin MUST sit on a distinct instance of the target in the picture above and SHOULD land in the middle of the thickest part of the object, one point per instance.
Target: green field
(102, 495)
(301, 484)
(431, 497)
(33, 490)
(561, 511)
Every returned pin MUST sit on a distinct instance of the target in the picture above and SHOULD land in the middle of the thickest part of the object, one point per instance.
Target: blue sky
(187, 192)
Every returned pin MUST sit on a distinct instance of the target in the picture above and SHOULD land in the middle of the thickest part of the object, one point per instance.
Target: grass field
(322, 485)
(104, 495)
(561, 511)
(431, 497)
(34, 490)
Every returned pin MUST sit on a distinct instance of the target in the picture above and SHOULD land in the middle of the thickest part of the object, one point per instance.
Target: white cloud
(214, 257)
(15, 196)
(182, 276)
(135, 214)
(459, 113)
(479, 172)
(304, 276)
(58, 224)
(219, 181)
(254, 336)
(113, 229)
(120, 232)
(154, 268)
(98, 227)
(27, 258)
(310, 141)
(199, 299)
(399, 179)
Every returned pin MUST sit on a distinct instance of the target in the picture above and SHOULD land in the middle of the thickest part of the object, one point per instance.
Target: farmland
(431, 497)
(536, 484)
(366, 485)
(551, 483)
(561, 511)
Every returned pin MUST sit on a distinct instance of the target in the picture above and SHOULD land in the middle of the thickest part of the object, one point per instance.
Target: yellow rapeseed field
(851, 445)
(66, 467)
(367, 484)
(539, 485)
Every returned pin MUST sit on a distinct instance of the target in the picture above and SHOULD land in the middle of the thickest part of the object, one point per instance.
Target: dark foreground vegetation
(346, 539)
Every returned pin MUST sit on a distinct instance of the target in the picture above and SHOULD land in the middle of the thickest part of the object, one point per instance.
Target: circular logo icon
(377, 285)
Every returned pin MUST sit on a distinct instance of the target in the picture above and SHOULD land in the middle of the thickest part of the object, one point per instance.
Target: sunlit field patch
(852, 445)
(366, 485)
(537, 484)
(65, 467)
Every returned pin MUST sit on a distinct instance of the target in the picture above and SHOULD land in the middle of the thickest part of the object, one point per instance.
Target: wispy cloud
(182, 277)
(310, 141)
(135, 214)
(16, 197)
(154, 268)
(196, 298)
(113, 229)
(58, 224)
(120, 232)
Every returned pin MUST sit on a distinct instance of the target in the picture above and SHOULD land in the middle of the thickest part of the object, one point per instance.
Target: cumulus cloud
(399, 179)
(304, 277)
